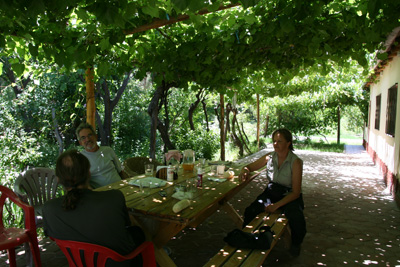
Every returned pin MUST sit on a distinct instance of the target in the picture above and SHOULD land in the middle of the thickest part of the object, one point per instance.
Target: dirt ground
(351, 220)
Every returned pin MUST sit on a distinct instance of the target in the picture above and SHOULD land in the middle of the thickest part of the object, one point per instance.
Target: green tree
(219, 50)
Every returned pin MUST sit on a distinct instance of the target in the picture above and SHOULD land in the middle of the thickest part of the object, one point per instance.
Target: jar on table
(188, 160)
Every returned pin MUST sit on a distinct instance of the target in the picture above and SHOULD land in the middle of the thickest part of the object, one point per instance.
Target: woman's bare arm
(258, 164)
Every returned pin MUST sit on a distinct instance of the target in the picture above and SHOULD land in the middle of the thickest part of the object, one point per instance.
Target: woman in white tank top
(285, 171)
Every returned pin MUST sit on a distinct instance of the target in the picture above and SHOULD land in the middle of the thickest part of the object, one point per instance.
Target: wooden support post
(266, 126)
(258, 122)
(338, 127)
(222, 128)
(90, 103)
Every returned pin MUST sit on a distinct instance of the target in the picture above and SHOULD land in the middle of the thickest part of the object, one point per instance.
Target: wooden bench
(230, 256)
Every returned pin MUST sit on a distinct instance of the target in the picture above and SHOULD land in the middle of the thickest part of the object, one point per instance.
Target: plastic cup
(220, 169)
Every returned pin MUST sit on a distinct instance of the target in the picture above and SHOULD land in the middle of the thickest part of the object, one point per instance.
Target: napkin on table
(220, 180)
(182, 195)
(151, 182)
(219, 162)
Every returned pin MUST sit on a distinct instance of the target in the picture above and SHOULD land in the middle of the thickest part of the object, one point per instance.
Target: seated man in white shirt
(105, 167)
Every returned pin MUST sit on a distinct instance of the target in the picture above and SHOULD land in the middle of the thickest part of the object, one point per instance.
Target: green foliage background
(306, 60)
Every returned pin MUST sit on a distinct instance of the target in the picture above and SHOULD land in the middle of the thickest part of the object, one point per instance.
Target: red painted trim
(390, 180)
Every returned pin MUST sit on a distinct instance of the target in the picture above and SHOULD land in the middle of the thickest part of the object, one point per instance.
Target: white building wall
(385, 146)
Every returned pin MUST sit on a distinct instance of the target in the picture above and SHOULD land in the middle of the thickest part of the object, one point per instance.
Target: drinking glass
(141, 189)
(191, 185)
(202, 161)
(180, 188)
(213, 170)
(148, 169)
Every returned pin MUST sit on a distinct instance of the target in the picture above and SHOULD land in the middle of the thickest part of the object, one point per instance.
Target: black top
(99, 218)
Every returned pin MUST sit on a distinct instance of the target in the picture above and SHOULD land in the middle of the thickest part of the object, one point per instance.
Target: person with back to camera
(284, 189)
(89, 216)
(105, 165)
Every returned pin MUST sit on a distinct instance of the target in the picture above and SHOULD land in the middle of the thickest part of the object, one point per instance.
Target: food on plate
(229, 174)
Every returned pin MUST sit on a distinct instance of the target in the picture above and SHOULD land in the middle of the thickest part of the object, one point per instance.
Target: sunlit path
(351, 219)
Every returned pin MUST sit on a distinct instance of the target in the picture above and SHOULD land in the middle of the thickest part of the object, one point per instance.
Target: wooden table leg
(237, 219)
(165, 232)
(162, 258)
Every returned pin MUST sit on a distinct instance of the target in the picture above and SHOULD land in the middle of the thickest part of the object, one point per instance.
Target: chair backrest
(29, 212)
(135, 165)
(81, 254)
(38, 185)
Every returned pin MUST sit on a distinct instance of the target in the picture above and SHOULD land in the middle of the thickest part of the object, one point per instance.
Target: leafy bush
(319, 146)
(19, 150)
(205, 144)
(132, 135)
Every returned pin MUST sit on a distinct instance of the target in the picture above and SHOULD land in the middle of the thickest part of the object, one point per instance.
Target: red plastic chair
(91, 253)
(13, 237)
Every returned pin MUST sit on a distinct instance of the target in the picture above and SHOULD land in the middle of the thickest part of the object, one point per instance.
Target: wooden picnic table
(206, 200)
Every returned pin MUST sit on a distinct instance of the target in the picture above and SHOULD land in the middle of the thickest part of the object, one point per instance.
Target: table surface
(206, 200)
(150, 203)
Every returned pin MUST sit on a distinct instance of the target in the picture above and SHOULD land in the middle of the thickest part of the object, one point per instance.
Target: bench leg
(287, 237)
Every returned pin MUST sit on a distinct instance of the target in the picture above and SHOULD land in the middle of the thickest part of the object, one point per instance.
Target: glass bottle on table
(173, 158)
(199, 177)
(175, 166)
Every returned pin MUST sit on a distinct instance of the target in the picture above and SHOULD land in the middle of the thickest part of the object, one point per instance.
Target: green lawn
(319, 143)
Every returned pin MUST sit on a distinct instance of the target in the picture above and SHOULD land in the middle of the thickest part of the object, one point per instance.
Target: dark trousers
(138, 237)
(293, 212)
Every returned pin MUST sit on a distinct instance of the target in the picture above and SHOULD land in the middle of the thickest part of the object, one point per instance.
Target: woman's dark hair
(286, 134)
(72, 170)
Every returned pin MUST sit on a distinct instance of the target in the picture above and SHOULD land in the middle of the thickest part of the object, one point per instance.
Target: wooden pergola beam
(157, 23)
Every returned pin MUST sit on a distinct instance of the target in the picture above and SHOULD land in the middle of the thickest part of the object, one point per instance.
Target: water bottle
(170, 173)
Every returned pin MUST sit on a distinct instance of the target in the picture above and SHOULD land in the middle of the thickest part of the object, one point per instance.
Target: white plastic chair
(36, 186)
